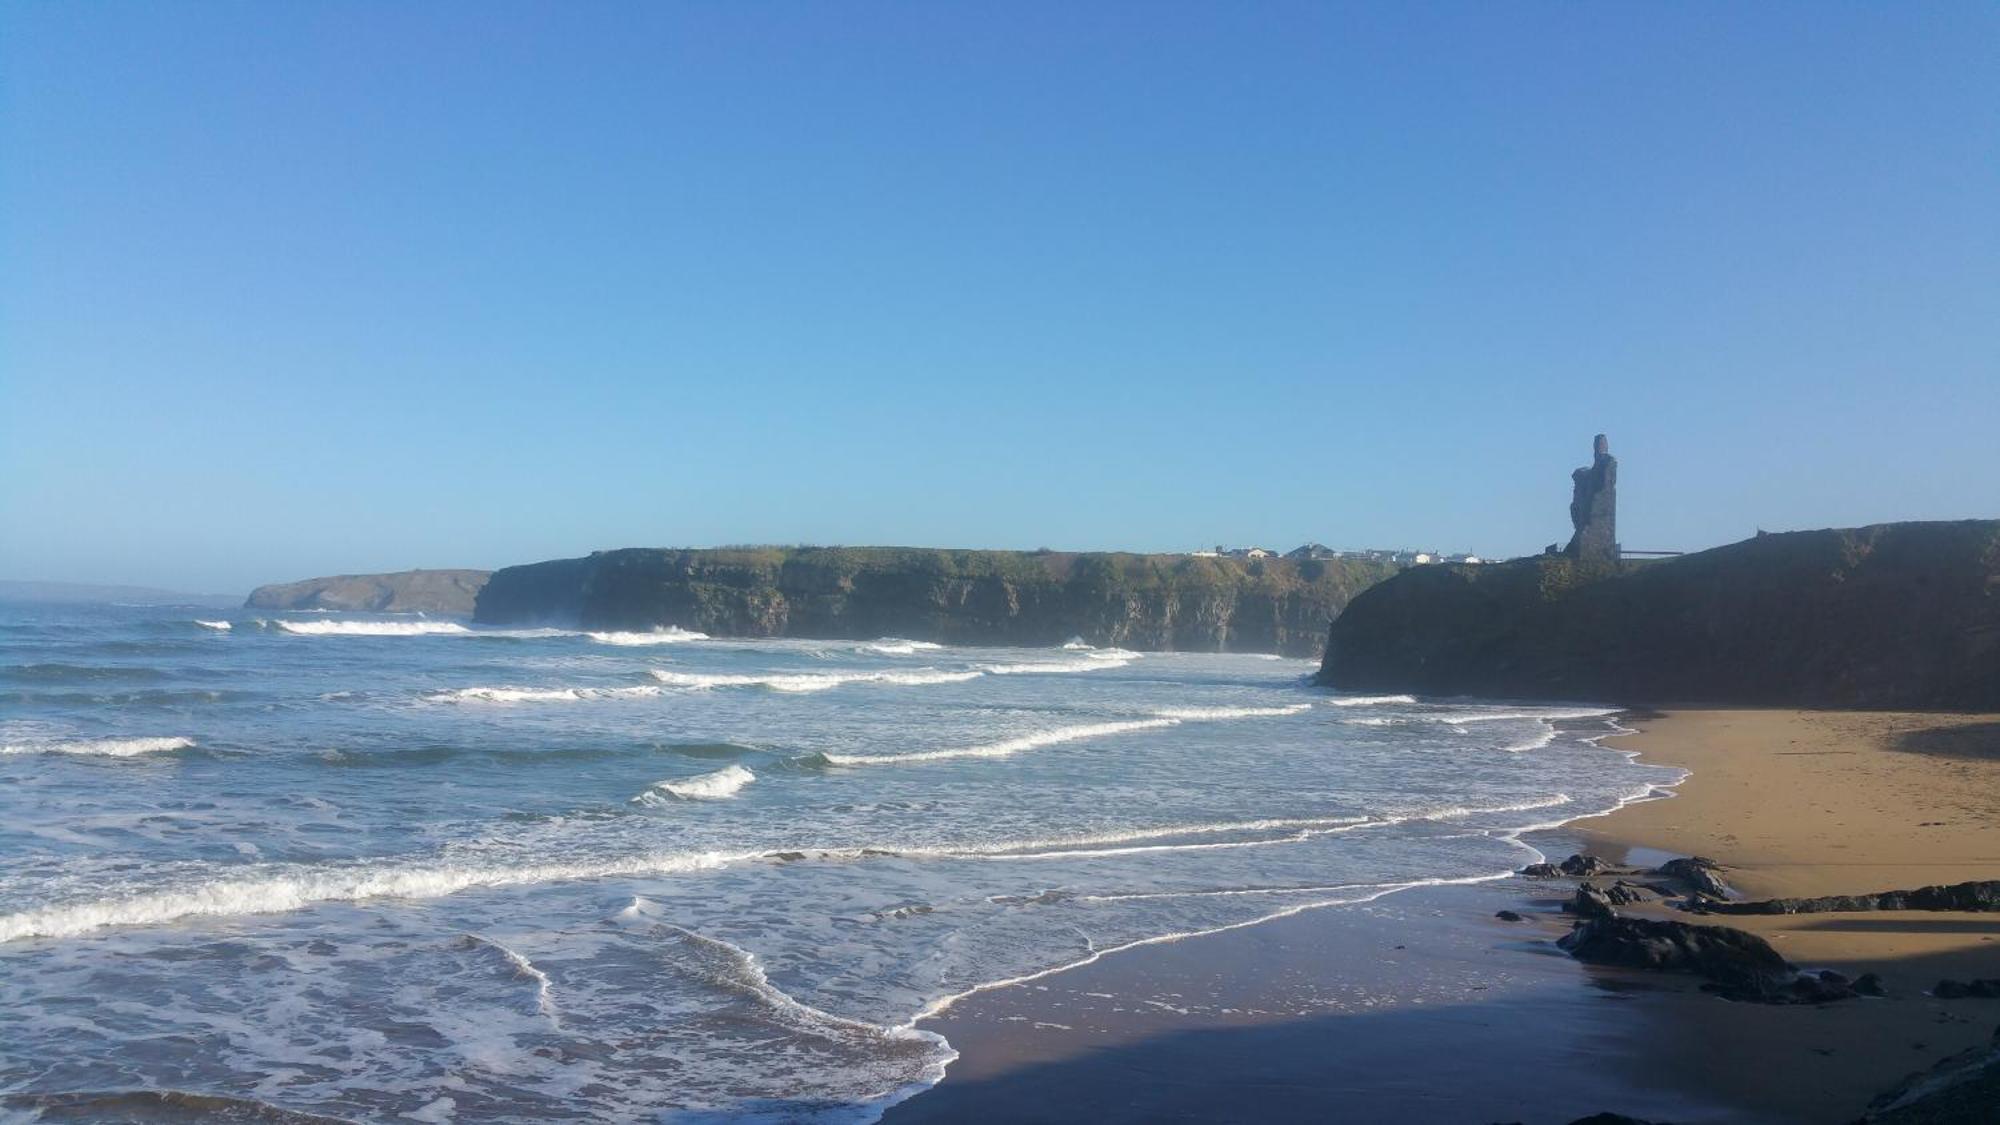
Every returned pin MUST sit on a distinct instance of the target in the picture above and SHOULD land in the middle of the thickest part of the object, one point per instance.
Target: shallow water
(368, 867)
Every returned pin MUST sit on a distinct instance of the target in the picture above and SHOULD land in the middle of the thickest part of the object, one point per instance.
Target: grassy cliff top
(1110, 568)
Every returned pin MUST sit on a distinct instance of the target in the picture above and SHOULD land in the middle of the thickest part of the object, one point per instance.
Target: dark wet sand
(1321, 1017)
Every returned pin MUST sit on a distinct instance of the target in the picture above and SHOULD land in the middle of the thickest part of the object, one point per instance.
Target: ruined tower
(1593, 509)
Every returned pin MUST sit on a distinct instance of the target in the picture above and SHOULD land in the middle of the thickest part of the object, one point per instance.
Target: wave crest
(539, 695)
(1012, 746)
(101, 747)
(671, 635)
(370, 628)
(806, 681)
(715, 786)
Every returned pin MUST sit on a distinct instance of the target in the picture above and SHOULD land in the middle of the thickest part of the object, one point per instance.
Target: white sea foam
(219, 626)
(1454, 812)
(1093, 660)
(1542, 738)
(522, 634)
(545, 998)
(893, 646)
(295, 888)
(371, 628)
(739, 970)
(672, 635)
(1150, 839)
(1369, 700)
(1468, 718)
(1206, 714)
(100, 747)
(701, 787)
(1460, 718)
(540, 695)
(1369, 893)
(807, 681)
(1059, 735)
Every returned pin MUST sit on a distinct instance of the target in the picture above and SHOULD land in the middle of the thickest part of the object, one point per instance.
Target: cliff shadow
(1977, 741)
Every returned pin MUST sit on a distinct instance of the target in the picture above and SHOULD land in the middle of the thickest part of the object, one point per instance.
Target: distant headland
(1199, 603)
(444, 593)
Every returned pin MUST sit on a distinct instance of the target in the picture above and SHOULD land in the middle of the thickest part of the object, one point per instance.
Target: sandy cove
(1423, 1008)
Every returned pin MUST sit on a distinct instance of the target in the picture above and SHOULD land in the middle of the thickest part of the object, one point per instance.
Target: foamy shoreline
(1017, 1041)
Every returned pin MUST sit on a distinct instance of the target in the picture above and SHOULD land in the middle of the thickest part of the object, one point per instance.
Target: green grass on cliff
(1105, 569)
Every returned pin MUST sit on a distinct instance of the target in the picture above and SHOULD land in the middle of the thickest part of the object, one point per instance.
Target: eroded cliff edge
(445, 593)
(1149, 602)
(1902, 615)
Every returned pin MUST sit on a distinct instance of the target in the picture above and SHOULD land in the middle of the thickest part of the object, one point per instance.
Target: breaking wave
(893, 646)
(1460, 718)
(303, 887)
(806, 681)
(1012, 746)
(1369, 700)
(701, 787)
(101, 747)
(220, 626)
(672, 635)
(1093, 660)
(370, 628)
(539, 695)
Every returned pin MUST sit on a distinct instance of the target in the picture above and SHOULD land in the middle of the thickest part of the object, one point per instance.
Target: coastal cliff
(1903, 615)
(447, 593)
(1152, 602)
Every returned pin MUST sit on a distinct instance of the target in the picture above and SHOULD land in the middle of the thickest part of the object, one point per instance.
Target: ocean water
(370, 868)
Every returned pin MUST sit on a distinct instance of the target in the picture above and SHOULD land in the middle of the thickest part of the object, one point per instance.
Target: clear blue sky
(290, 289)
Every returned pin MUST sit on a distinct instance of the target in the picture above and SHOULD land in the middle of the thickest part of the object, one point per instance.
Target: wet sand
(1422, 1007)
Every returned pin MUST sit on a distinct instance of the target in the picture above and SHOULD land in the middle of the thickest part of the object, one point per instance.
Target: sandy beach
(1423, 1007)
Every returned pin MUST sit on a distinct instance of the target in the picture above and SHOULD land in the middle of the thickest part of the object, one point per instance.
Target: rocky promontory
(1153, 602)
(1901, 615)
(444, 593)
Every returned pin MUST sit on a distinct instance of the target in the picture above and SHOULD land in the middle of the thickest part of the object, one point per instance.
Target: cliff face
(448, 593)
(1890, 616)
(1156, 602)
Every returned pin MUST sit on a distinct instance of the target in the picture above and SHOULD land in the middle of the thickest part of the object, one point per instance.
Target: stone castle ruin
(1593, 508)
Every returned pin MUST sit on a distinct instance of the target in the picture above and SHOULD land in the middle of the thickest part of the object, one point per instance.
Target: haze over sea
(363, 867)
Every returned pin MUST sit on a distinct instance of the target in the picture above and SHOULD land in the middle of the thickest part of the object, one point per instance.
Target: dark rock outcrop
(1737, 965)
(1698, 872)
(1977, 896)
(1960, 1090)
(1155, 602)
(1508, 916)
(1593, 509)
(1985, 988)
(1589, 902)
(445, 593)
(1891, 616)
(1541, 871)
(1582, 865)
